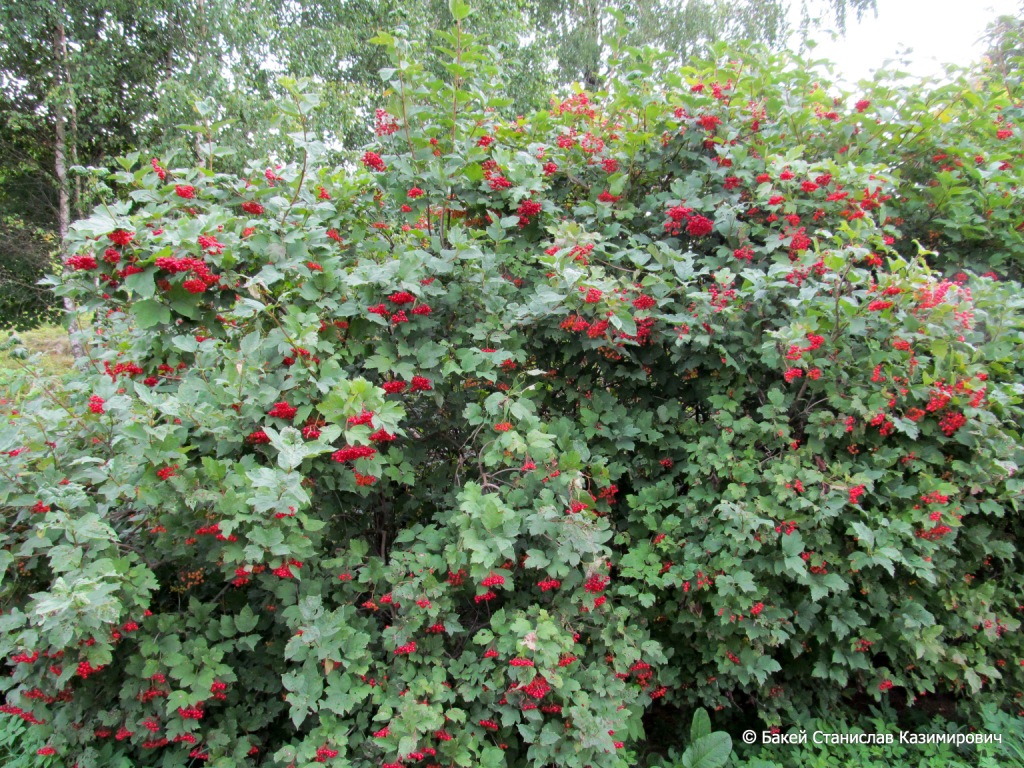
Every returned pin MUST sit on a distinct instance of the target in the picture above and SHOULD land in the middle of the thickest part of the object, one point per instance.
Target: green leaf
(149, 313)
(141, 283)
(745, 581)
(291, 447)
(459, 9)
(406, 745)
(700, 725)
(246, 620)
(711, 751)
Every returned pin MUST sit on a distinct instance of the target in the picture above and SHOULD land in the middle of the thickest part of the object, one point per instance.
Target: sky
(938, 31)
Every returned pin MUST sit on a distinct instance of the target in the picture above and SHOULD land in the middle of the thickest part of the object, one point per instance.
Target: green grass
(48, 352)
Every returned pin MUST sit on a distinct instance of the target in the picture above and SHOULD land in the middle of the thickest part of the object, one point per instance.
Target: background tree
(576, 32)
(84, 82)
(328, 43)
(77, 84)
(1005, 37)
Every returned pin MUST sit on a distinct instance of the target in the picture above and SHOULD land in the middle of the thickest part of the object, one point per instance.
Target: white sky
(937, 31)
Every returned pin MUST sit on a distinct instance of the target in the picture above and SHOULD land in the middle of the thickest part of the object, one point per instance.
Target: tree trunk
(592, 79)
(199, 59)
(60, 154)
(76, 204)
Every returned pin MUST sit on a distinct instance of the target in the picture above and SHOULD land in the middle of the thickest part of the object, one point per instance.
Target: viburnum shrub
(480, 449)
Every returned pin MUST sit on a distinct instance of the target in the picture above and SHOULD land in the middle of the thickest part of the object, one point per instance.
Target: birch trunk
(60, 167)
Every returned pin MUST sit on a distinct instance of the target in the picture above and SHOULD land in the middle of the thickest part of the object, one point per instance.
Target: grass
(43, 352)
(48, 348)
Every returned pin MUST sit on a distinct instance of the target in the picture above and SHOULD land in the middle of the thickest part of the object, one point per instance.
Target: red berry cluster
(855, 494)
(285, 571)
(373, 161)
(494, 580)
(283, 410)
(353, 452)
(324, 753)
(951, 422)
(85, 669)
(538, 688)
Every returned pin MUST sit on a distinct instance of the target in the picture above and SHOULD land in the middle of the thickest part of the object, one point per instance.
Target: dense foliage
(482, 452)
(84, 82)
